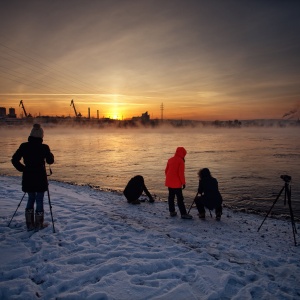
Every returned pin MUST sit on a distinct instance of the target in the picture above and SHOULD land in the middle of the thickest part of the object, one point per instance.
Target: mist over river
(247, 162)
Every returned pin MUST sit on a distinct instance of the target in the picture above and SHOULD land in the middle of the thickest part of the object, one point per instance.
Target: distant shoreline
(114, 123)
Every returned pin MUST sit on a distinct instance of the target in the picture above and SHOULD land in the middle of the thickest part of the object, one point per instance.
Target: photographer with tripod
(34, 179)
(210, 196)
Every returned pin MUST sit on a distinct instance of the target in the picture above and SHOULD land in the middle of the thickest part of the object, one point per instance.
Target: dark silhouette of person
(34, 179)
(210, 197)
(175, 181)
(135, 188)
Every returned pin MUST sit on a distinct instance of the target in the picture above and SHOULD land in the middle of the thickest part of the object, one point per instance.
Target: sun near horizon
(120, 109)
(199, 59)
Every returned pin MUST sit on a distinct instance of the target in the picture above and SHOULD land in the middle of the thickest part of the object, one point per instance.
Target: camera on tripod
(286, 178)
(287, 195)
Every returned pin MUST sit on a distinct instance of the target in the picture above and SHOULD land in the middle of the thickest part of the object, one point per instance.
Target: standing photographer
(34, 179)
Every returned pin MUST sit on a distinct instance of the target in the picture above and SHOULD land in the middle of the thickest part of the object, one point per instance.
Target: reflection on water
(247, 162)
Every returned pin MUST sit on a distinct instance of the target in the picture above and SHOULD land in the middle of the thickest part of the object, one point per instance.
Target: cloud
(170, 51)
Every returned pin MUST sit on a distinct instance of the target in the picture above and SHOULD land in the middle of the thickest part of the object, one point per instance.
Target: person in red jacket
(175, 181)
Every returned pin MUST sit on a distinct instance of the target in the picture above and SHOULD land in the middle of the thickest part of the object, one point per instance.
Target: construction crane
(21, 104)
(25, 113)
(77, 115)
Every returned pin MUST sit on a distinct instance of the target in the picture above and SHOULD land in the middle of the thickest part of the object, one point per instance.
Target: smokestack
(89, 113)
(98, 114)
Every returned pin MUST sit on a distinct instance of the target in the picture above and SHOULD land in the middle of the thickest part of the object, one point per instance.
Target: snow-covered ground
(105, 248)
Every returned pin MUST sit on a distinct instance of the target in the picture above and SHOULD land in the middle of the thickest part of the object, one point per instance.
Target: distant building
(2, 112)
(144, 118)
(12, 113)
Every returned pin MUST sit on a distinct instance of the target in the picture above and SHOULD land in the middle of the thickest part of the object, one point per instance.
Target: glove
(183, 187)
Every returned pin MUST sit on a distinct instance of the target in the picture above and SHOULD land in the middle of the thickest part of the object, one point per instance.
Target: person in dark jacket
(134, 189)
(210, 197)
(34, 179)
(175, 181)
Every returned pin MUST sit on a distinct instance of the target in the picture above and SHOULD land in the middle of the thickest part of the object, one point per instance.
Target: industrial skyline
(204, 60)
(22, 112)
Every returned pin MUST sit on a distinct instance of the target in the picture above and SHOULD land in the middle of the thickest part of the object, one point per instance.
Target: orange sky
(203, 60)
(117, 108)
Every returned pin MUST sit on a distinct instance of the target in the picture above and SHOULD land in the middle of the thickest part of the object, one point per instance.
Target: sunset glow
(203, 60)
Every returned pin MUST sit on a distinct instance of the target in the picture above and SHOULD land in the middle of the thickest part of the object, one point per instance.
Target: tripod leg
(289, 194)
(192, 203)
(49, 196)
(50, 210)
(191, 206)
(16, 209)
(271, 208)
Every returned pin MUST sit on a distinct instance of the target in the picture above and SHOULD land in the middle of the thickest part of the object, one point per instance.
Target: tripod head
(286, 178)
(287, 188)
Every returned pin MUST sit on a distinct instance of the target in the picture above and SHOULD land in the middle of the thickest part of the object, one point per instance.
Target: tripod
(50, 206)
(287, 195)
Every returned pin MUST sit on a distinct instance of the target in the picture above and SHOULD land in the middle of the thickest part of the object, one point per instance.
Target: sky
(192, 59)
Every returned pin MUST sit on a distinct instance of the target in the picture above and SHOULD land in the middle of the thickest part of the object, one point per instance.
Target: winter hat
(37, 131)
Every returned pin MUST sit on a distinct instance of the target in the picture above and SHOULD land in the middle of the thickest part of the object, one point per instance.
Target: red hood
(181, 152)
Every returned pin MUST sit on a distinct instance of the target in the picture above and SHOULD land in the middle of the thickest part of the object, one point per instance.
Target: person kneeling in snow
(134, 189)
(210, 195)
(34, 180)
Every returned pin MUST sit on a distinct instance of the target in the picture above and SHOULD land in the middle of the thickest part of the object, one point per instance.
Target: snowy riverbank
(104, 248)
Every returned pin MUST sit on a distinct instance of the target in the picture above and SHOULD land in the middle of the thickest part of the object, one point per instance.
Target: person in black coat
(34, 179)
(134, 189)
(210, 197)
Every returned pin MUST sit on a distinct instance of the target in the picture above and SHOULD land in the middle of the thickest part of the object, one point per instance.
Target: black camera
(286, 178)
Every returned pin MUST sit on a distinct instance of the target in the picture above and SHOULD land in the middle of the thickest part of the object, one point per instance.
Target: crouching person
(210, 197)
(34, 179)
(135, 188)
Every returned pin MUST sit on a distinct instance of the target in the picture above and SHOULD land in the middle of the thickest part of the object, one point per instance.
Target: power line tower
(162, 111)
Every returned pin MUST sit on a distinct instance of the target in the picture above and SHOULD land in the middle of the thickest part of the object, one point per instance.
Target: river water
(247, 162)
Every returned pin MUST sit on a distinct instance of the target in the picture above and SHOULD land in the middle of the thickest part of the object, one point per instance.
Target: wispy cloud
(185, 54)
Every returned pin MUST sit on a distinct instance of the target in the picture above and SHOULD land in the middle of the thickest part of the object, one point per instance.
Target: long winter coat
(34, 154)
(174, 171)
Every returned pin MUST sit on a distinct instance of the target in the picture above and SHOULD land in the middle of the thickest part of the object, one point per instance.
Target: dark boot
(173, 213)
(218, 213)
(39, 220)
(200, 207)
(29, 217)
(202, 215)
(137, 201)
